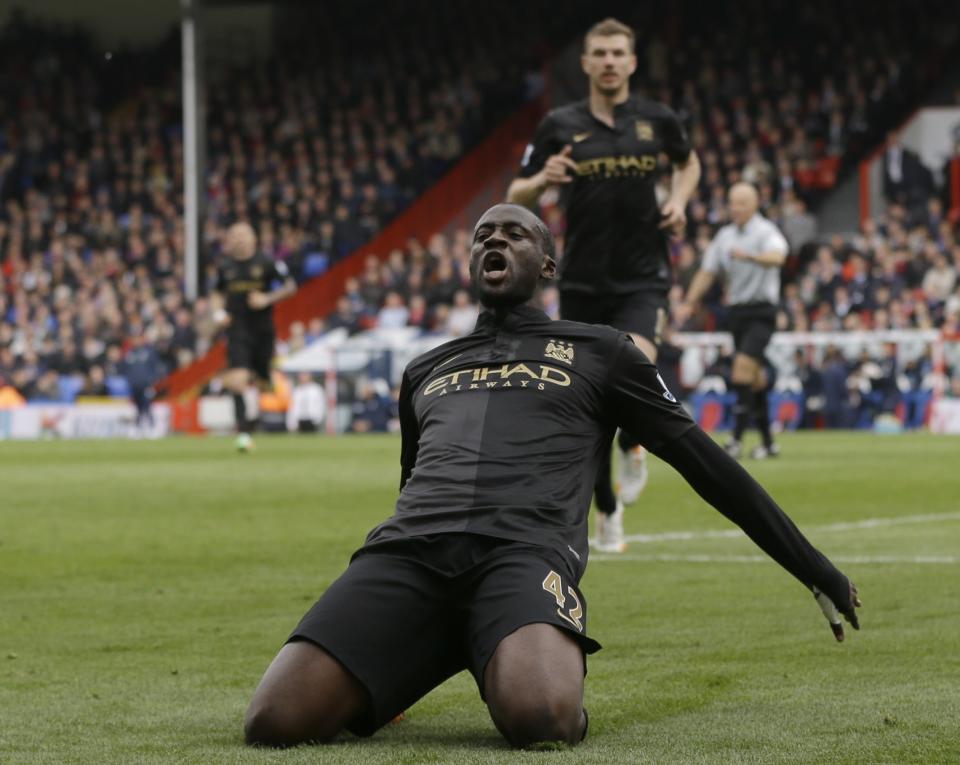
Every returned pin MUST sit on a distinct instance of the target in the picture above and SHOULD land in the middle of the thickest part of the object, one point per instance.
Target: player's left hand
(673, 216)
(832, 612)
(258, 300)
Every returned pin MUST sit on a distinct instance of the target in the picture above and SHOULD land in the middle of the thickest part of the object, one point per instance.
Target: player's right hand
(833, 612)
(559, 166)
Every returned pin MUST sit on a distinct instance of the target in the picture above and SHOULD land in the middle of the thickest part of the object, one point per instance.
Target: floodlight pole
(194, 141)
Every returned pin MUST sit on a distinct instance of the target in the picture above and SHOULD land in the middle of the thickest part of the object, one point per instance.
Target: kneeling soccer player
(479, 567)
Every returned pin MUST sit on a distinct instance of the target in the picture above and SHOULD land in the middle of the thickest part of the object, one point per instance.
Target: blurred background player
(244, 300)
(603, 153)
(750, 252)
(141, 366)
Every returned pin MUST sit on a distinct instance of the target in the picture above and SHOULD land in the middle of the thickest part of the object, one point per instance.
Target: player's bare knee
(530, 718)
(265, 726)
(547, 720)
(268, 725)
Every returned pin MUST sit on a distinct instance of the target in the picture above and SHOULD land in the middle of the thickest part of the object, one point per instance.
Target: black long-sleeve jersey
(613, 244)
(502, 431)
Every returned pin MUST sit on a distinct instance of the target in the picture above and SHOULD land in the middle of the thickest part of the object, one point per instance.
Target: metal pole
(193, 140)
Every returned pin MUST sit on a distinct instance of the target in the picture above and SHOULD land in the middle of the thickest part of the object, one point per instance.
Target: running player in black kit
(244, 284)
(603, 153)
(479, 567)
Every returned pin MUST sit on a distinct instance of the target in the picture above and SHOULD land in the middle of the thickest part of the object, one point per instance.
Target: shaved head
(530, 219)
(744, 201)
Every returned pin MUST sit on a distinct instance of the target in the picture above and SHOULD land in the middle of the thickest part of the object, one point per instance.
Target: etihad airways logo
(617, 166)
(530, 376)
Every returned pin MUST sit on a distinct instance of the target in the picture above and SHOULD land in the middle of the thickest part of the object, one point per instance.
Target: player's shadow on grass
(421, 735)
(430, 733)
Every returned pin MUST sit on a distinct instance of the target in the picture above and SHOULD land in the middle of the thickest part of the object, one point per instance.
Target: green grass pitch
(144, 587)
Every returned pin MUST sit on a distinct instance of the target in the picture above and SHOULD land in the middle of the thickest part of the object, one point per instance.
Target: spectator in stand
(371, 411)
(419, 312)
(463, 315)
(94, 383)
(345, 316)
(905, 178)
(836, 409)
(315, 329)
(939, 280)
(444, 283)
(307, 405)
(798, 225)
(950, 167)
(394, 314)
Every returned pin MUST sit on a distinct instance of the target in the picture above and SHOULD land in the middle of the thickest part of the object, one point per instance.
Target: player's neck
(501, 310)
(602, 104)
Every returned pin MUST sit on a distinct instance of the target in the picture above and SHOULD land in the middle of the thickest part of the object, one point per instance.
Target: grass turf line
(144, 587)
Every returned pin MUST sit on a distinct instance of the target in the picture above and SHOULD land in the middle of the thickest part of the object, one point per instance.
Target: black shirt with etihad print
(236, 279)
(612, 244)
(503, 429)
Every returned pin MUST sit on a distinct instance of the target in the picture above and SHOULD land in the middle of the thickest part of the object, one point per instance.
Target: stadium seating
(91, 232)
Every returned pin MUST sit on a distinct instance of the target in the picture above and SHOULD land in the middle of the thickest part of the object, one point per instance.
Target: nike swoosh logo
(580, 137)
(447, 361)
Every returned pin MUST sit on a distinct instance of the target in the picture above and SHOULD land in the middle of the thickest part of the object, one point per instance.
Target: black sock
(626, 442)
(603, 484)
(741, 410)
(761, 410)
(240, 412)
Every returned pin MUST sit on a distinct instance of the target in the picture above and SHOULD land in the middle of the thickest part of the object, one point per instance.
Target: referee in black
(479, 567)
(603, 152)
(749, 252)
(245, 292)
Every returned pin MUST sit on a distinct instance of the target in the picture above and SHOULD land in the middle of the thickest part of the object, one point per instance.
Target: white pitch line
(866, 523)
(876, 560)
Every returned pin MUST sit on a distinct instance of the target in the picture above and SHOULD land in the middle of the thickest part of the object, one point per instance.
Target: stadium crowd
(91, 231)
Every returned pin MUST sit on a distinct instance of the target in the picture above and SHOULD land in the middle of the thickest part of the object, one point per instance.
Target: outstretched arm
(643, 406)
(723, 483)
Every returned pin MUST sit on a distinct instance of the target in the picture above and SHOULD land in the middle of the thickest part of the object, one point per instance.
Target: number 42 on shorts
(554, 585)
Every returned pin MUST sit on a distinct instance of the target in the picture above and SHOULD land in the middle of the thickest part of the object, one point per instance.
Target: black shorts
(752, 326)
(408, 614)
(642, 313)
(251, 348)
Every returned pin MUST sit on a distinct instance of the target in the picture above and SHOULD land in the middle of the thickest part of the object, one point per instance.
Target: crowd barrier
(96, 419)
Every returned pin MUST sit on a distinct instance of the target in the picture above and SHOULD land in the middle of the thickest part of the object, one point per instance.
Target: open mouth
(494, 266)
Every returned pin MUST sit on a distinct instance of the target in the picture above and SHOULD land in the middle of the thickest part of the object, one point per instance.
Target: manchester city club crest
(644, 130)
(559, 350)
